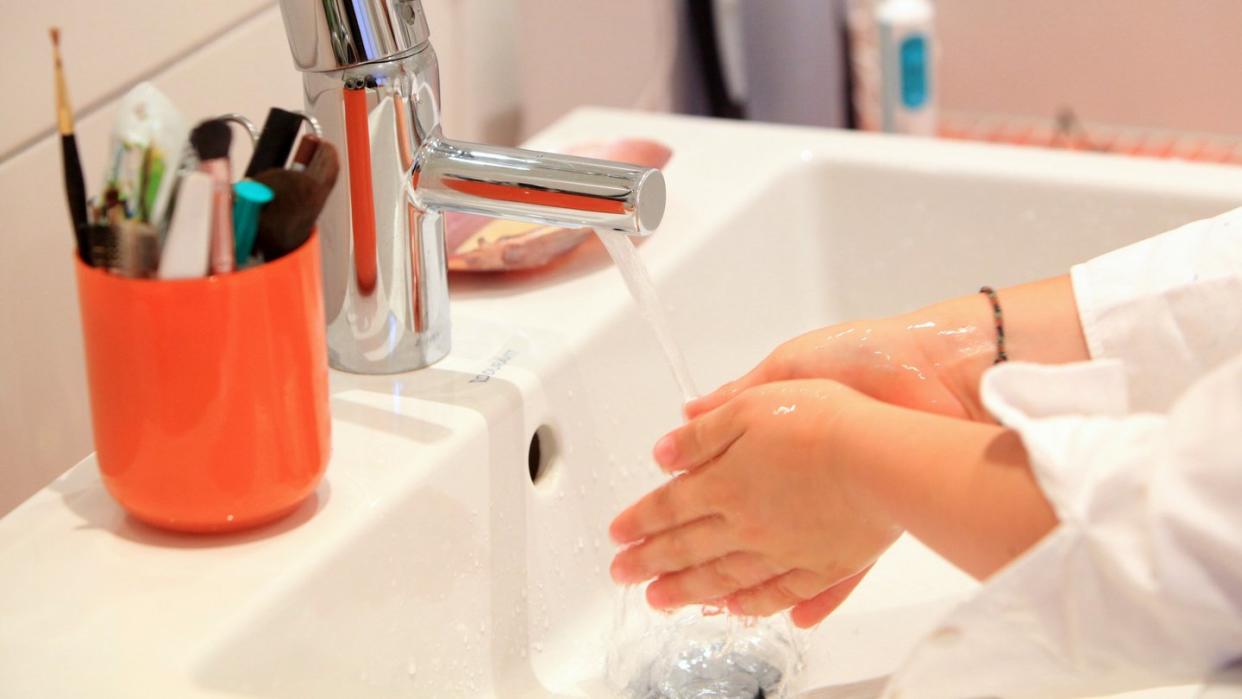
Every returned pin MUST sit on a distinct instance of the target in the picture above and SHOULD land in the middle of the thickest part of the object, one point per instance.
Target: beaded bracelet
(997, 316)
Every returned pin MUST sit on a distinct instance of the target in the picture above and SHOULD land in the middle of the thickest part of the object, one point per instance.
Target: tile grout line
(97, 104)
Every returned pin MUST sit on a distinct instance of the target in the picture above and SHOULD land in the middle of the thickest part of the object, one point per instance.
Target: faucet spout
(546, 188)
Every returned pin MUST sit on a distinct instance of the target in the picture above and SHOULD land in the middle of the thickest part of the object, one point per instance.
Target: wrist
(957, 338)
(861, 468)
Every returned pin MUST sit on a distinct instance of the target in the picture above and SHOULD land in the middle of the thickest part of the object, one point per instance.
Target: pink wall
(1170, 64)
(596, 52)
(1157, 63)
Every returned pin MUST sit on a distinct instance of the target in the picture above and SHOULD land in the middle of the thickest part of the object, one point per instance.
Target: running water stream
(632, 269)
(687, 654)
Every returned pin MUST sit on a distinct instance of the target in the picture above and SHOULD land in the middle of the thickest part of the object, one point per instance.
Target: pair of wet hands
(763, 513)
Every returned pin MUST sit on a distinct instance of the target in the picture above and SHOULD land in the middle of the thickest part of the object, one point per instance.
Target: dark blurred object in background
(778, 60)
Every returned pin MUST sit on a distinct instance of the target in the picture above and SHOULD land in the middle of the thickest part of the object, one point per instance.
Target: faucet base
(418, 352)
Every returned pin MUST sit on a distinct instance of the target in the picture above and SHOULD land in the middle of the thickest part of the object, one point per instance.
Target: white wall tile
(476, 42)
(596, 52)
(107, 46)
(44, 416)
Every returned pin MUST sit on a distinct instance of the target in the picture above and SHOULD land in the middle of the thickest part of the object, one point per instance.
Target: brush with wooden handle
(75, 184)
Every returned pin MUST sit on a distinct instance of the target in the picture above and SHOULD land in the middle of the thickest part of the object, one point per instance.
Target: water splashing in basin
(690, 655)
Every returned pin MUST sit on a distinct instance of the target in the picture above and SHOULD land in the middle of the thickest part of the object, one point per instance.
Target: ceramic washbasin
(429, 564)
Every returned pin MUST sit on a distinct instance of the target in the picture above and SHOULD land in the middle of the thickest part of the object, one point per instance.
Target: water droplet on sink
(538, 647)
(411, 669)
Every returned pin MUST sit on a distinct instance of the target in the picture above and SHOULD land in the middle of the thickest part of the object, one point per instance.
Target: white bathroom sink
(429, 565)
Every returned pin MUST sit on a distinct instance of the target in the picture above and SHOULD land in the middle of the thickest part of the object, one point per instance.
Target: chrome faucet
(372, 82)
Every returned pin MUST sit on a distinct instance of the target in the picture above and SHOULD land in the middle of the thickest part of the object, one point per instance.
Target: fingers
(711, 581)
(809, 613)
(677, 549)
(698, 441)
(673, 504)
(705, 404)
(778, 593)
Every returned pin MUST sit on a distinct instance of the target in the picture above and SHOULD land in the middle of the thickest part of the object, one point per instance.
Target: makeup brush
(286, 221)
(75, 185)
(137, 249)
(324, 167)
(299, 197)
(211, 140)
(305, 151)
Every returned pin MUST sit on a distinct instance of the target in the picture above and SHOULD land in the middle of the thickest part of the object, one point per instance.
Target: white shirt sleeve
(1169, 307)
(1137, 450)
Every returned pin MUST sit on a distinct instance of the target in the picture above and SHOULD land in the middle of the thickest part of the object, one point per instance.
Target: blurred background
(1152, 78)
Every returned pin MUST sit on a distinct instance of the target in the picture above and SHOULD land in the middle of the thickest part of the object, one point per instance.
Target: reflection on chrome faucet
(371, 80)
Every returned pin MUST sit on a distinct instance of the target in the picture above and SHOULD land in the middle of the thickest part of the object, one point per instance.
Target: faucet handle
(329, 35)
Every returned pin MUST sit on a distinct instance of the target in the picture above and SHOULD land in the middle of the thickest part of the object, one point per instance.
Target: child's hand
(766, 514)
(927, 365)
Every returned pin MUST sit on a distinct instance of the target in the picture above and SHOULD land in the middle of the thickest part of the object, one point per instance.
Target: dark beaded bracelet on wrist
(999, 318)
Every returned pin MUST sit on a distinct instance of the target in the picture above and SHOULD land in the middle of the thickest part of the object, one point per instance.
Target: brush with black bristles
(211, 140)
(75, 184)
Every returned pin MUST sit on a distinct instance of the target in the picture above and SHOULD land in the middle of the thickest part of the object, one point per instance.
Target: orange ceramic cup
(209, 397)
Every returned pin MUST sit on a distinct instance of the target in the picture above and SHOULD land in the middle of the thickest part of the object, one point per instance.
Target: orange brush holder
(209, 397)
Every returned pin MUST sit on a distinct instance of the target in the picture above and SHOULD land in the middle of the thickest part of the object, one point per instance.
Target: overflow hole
(539, 456)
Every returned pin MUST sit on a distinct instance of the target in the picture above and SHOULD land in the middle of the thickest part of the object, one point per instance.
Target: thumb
(809, 613)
